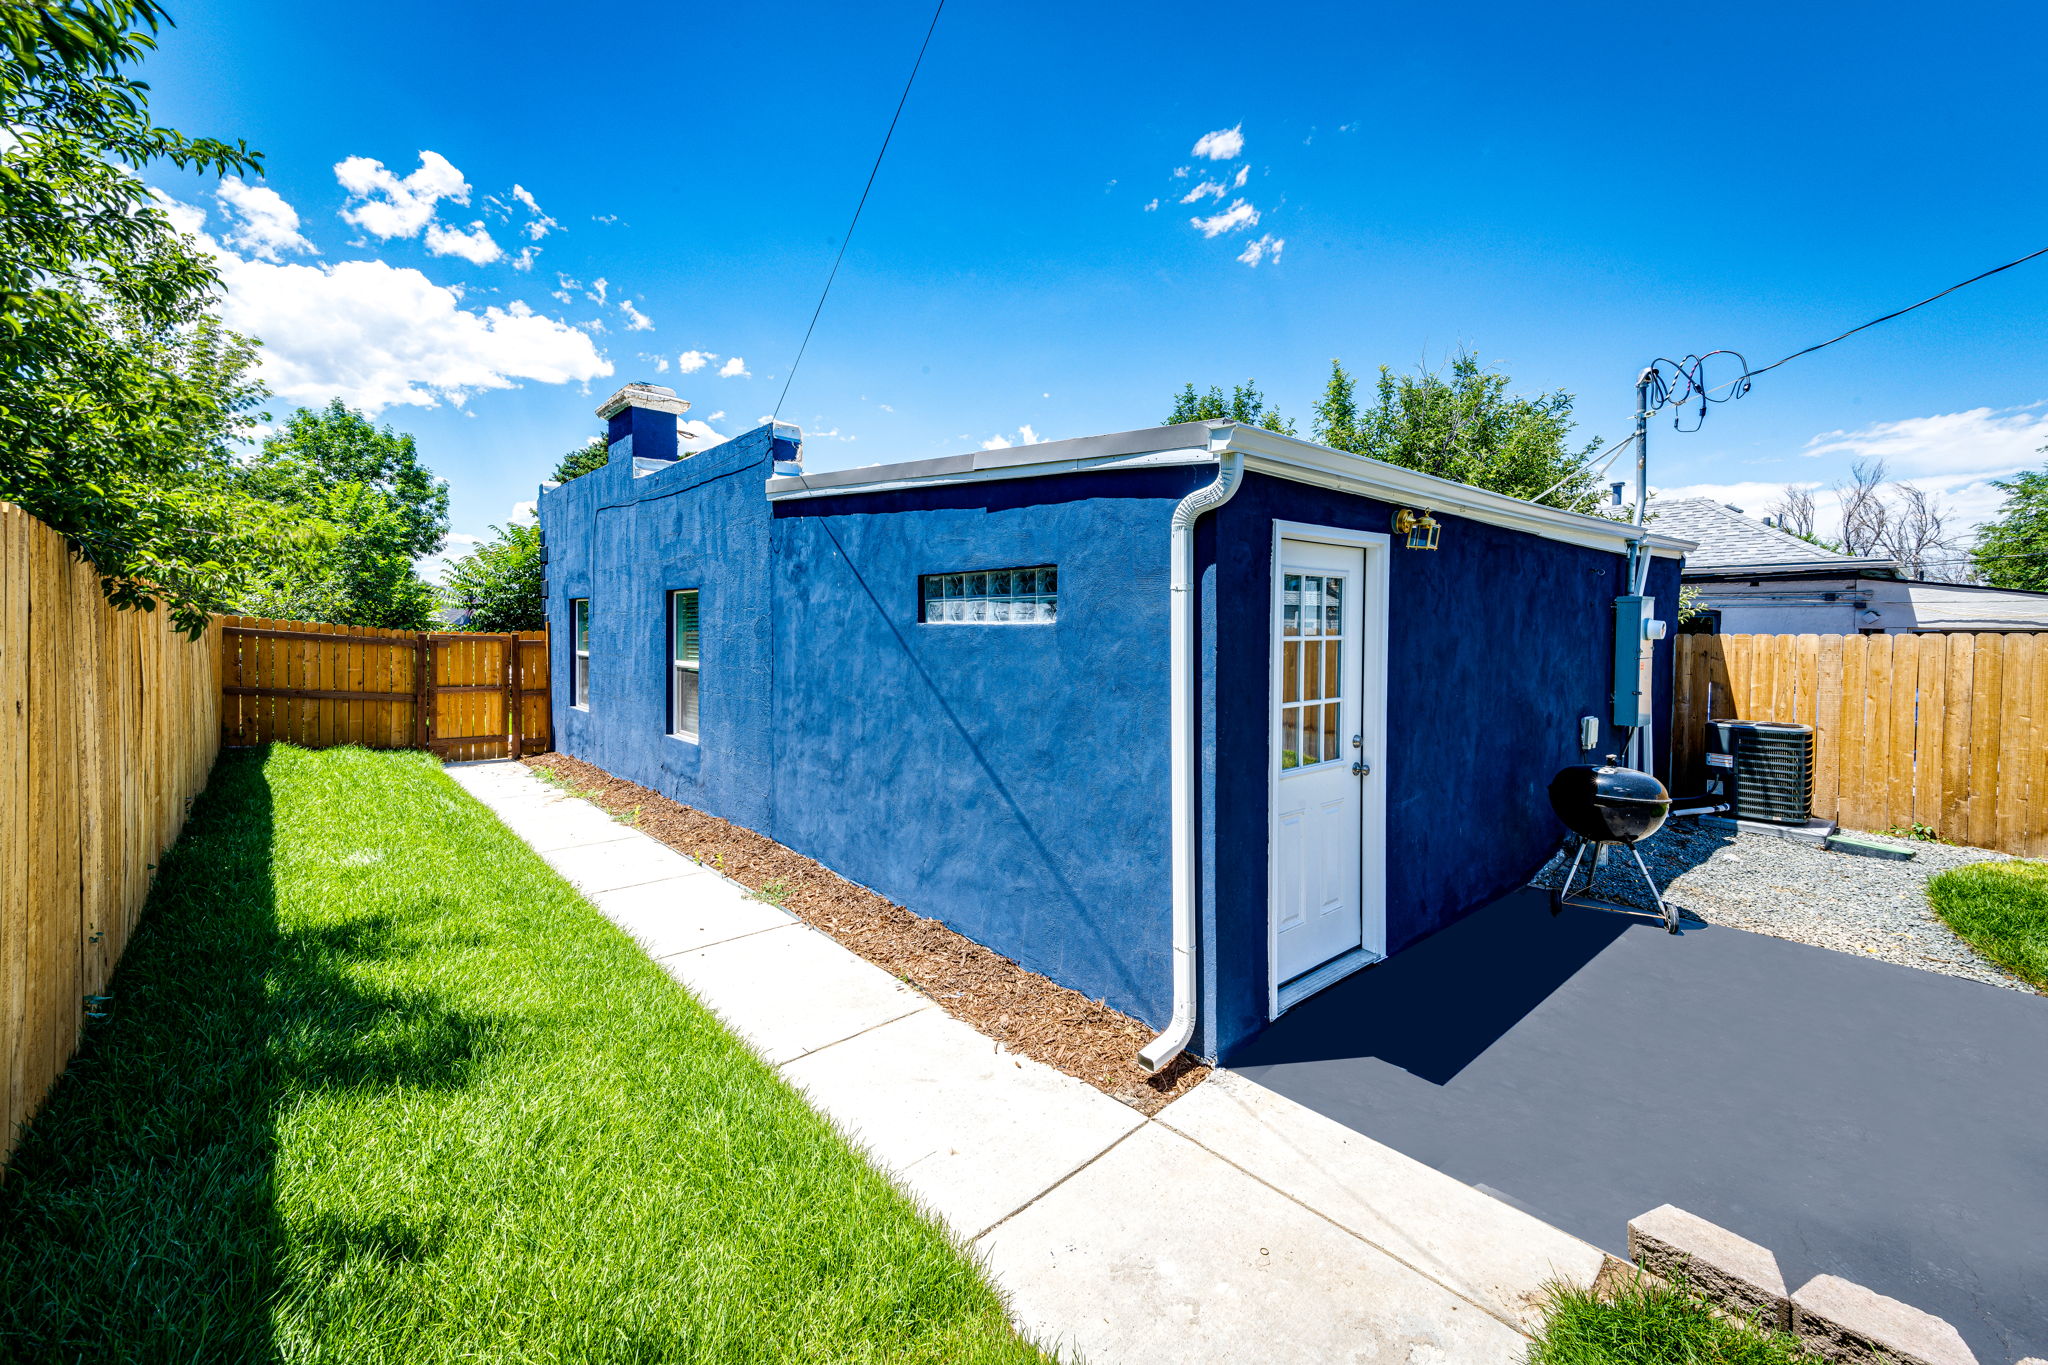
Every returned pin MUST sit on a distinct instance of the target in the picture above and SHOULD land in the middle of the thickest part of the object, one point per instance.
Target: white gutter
(1180, 1027)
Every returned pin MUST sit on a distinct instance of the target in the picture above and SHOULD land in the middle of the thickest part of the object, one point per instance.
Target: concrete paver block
(972, 1131)
(681, 913)
(1485, 1249)
(791, 991)
(616, 863)
(1741, 1275)
(1841, 1320)
(1160, 1251)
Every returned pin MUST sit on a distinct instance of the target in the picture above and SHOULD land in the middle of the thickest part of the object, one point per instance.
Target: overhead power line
(873, 171)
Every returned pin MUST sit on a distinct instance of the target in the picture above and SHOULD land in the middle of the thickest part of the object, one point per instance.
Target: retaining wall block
(1841, 1320)
(1744, 1277)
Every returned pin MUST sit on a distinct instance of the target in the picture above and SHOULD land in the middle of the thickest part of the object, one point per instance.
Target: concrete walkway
(1236, 1225)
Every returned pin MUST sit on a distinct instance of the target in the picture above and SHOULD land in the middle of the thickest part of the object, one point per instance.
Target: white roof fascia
(1265, 452)
(1288, 457)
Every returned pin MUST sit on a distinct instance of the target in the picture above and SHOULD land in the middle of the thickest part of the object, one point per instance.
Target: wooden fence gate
(459, 694)
(1945, 731)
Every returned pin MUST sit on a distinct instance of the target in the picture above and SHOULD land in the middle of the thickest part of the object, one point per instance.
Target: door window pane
(1313, 661)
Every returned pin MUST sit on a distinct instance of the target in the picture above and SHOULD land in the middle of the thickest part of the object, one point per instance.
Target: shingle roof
(1727, 537)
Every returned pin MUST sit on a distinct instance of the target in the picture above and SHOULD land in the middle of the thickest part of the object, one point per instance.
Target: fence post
(422, 652)
(518, 695)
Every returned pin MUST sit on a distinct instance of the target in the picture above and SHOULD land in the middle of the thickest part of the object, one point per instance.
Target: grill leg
(1670, 915)
(1558, 895)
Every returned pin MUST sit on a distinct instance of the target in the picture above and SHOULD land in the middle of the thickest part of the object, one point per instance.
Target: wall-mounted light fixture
(1420, 528)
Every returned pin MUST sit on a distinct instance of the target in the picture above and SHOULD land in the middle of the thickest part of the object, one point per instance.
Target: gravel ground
(1872, 906)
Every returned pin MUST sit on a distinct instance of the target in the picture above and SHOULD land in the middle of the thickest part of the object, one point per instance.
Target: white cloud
(1203, 190)
(1981, 439)
(1221, 145)
(735, 368)
(597, 290)
(885, 407)
(606, 218)
(1266, 248)
(1151, 206)
(474, 246)
(522, 514)
(1181, 172)
(385, 206)
(524, 260)
(1025, 437)
(260, 221)
(636, 321)
(689, 362)
(659, 362)
(1243, 174)
(716, 415)
(699, 435)
(1238, 215)
(378, 335)
(542, 224)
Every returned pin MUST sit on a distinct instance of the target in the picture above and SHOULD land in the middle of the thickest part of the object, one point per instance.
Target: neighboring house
(975, 685)
(1754, 579)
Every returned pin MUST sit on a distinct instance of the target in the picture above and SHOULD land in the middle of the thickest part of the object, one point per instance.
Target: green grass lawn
(1652, 1324)
(377, 1086)
(2001, 910)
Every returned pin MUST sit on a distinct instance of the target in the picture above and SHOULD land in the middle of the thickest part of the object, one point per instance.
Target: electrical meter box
(1636, 632)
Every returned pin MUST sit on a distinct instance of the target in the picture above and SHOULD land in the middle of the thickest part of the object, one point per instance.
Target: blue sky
(1569, 191)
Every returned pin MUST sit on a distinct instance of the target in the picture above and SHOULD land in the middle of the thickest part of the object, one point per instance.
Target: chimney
(643, 422)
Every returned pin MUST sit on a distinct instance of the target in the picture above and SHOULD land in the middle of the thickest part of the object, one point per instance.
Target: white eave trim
(1282, 457)
(1306, 462)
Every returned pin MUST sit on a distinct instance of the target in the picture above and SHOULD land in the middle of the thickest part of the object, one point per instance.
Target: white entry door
(1321, 733)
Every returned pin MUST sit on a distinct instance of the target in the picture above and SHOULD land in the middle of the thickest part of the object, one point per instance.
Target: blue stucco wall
(625, 543)
(1498, 642)
(1011, 781)
(1008, 780)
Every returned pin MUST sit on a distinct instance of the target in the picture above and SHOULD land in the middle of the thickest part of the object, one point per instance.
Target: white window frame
(579, 653)
(678, 666)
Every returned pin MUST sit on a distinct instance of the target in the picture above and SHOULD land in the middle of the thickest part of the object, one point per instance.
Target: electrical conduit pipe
(1180, 1027)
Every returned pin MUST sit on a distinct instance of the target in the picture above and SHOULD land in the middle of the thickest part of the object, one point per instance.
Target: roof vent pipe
(1180, 1027)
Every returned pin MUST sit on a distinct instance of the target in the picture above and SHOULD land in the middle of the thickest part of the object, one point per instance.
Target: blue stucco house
(1195, 719)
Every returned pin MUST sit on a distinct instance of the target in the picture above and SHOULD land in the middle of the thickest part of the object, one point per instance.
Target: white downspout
(1180, 1028)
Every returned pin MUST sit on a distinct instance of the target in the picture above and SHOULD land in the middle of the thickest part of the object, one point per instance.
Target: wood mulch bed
(1022, 1010)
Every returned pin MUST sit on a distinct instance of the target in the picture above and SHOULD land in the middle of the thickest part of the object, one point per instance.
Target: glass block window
(991, 597)
(579, 663)
(1311, 667)
(682, 664)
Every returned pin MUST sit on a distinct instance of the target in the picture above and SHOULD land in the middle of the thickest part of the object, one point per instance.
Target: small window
(991, 597)
(579, 663)
(682, 664)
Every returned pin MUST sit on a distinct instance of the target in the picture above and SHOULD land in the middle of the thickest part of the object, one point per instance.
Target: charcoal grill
(1605, 805)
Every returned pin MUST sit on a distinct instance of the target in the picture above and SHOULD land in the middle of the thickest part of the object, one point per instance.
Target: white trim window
(579, 659)
(683, 663)
(991, 597)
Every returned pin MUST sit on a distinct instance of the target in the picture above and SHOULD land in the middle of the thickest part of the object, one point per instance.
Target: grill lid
(1609, 803)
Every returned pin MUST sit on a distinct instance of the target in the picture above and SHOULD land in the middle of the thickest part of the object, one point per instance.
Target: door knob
(1361, 768)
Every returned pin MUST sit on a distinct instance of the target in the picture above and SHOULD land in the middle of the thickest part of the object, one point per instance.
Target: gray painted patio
(1861, 1119)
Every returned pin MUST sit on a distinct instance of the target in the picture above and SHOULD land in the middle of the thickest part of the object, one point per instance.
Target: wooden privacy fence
(1946, 731)
(460, 694)
(107, 732)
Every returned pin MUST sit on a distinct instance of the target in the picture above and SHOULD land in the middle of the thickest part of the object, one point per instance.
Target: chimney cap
(637, 395)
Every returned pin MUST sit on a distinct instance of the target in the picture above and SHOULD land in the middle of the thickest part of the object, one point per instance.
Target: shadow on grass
(137, 1219)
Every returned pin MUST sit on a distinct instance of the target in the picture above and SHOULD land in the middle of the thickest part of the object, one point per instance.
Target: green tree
(121, 398)
(499, 582)
(367, 508)
(1245, 404)
(2012, 549)
(582, 460)
(1464, 426)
